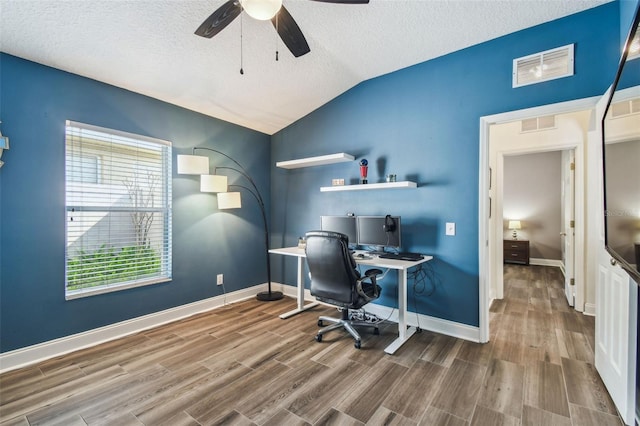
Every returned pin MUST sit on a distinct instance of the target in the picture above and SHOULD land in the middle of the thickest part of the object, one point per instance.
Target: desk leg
(301, 306)
(404, 333)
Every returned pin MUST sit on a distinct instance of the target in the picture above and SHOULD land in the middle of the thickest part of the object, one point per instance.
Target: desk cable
(422, 276)
(224, 292)
(362, 315)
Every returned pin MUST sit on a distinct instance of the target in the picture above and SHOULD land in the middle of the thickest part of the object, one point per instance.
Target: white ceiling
(149, 47)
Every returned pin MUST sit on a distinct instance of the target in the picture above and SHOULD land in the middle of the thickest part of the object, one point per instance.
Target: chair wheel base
(318, 337)
(357, 344)
(320, 323)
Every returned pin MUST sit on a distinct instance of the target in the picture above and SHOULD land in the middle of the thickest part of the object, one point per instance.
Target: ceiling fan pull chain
(277, 32)
(241, 57)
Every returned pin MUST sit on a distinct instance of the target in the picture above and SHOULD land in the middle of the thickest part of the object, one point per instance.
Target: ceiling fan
(280, 17)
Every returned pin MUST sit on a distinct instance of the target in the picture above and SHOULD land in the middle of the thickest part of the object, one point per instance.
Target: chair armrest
(373, 272)
(369, 275)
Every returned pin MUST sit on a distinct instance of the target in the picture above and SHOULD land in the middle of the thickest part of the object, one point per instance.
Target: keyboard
(402, 256)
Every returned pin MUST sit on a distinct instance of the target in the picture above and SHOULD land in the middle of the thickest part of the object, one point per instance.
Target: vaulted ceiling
(149, 47)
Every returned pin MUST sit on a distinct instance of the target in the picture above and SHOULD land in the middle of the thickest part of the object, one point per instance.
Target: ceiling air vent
(543, 66)
(538, 123)
(620, 109)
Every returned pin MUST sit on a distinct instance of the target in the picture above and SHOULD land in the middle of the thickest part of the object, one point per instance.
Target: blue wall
(422, 123)
(631, 72)
(35, 101)
(627, 12)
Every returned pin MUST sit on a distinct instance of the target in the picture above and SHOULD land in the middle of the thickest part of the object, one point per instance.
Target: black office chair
(335, 280)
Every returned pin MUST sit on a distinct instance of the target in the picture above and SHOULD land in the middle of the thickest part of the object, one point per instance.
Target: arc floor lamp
(199, 165)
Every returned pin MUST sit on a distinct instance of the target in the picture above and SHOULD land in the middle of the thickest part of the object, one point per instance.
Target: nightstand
(516, 251)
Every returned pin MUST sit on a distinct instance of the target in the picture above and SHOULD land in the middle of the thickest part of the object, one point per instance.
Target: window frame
(114, 138)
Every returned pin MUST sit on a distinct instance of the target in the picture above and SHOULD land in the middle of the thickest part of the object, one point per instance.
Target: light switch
(451, 228)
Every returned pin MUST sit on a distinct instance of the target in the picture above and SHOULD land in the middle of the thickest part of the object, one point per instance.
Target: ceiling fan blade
(290, 33)
(344, 1)
(219, 19)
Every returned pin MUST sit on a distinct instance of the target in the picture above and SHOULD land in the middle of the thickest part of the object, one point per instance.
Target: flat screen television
(343, 224)
(621, 159)
(379, 232)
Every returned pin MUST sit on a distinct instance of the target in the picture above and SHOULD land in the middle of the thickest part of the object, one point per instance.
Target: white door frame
(568, 216)
(489, 272)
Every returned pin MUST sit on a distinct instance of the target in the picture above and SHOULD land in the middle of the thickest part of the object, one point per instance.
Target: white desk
(402, 266)
(301, 255)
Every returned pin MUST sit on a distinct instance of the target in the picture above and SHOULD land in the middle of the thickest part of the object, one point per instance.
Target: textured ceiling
(148, 46)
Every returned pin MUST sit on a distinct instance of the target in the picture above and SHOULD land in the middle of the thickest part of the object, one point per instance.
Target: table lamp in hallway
(515, 225)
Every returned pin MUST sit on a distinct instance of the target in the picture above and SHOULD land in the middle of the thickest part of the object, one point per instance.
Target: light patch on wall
(532, 195)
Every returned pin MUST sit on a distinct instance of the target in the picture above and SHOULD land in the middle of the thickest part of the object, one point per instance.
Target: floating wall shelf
(322, 160)
(369, 186)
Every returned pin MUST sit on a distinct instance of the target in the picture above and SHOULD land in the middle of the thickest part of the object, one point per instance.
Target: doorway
(538, 197)
(569, 133)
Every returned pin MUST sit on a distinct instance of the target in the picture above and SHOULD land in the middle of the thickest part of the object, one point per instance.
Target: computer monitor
(343, 224)
(379, 231)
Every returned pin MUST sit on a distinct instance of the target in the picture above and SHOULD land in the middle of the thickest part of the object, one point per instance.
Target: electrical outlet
(450, 228)
(220, 279)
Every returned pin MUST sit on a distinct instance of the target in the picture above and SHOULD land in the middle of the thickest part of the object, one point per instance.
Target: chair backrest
(332, 267)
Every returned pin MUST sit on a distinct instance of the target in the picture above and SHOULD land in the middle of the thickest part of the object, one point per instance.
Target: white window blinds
(118, 201)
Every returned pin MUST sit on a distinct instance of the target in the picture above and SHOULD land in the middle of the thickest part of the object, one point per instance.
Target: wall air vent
(538, 123)
(543, 66)
(621, 109)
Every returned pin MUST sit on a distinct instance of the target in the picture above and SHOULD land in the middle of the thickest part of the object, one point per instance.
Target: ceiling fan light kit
(261, 10)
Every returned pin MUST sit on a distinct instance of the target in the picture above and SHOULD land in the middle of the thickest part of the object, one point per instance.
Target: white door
(614, 338)
(616, 310)
(568, 223)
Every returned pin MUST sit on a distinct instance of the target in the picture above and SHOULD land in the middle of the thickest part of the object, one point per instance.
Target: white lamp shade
(229, 200)
(262, 9)
(515, 224)
(193, 165)
(213, 183)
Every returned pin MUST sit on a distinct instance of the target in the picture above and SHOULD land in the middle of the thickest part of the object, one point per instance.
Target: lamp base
(266, 296)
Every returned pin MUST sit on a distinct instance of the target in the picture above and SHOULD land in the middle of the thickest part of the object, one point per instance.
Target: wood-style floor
(243, 365)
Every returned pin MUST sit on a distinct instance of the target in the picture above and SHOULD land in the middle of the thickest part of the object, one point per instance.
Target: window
(118, 201)
(83, 169)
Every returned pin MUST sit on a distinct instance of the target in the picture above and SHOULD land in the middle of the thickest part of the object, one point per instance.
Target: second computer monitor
(379, 231)
(343, 224)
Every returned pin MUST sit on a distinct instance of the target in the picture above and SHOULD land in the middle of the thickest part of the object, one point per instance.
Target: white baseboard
(438, 325)
(425, 322)
(590, 309)
(546, 262)
(37, 353)
(32, 354)
(292, 291)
